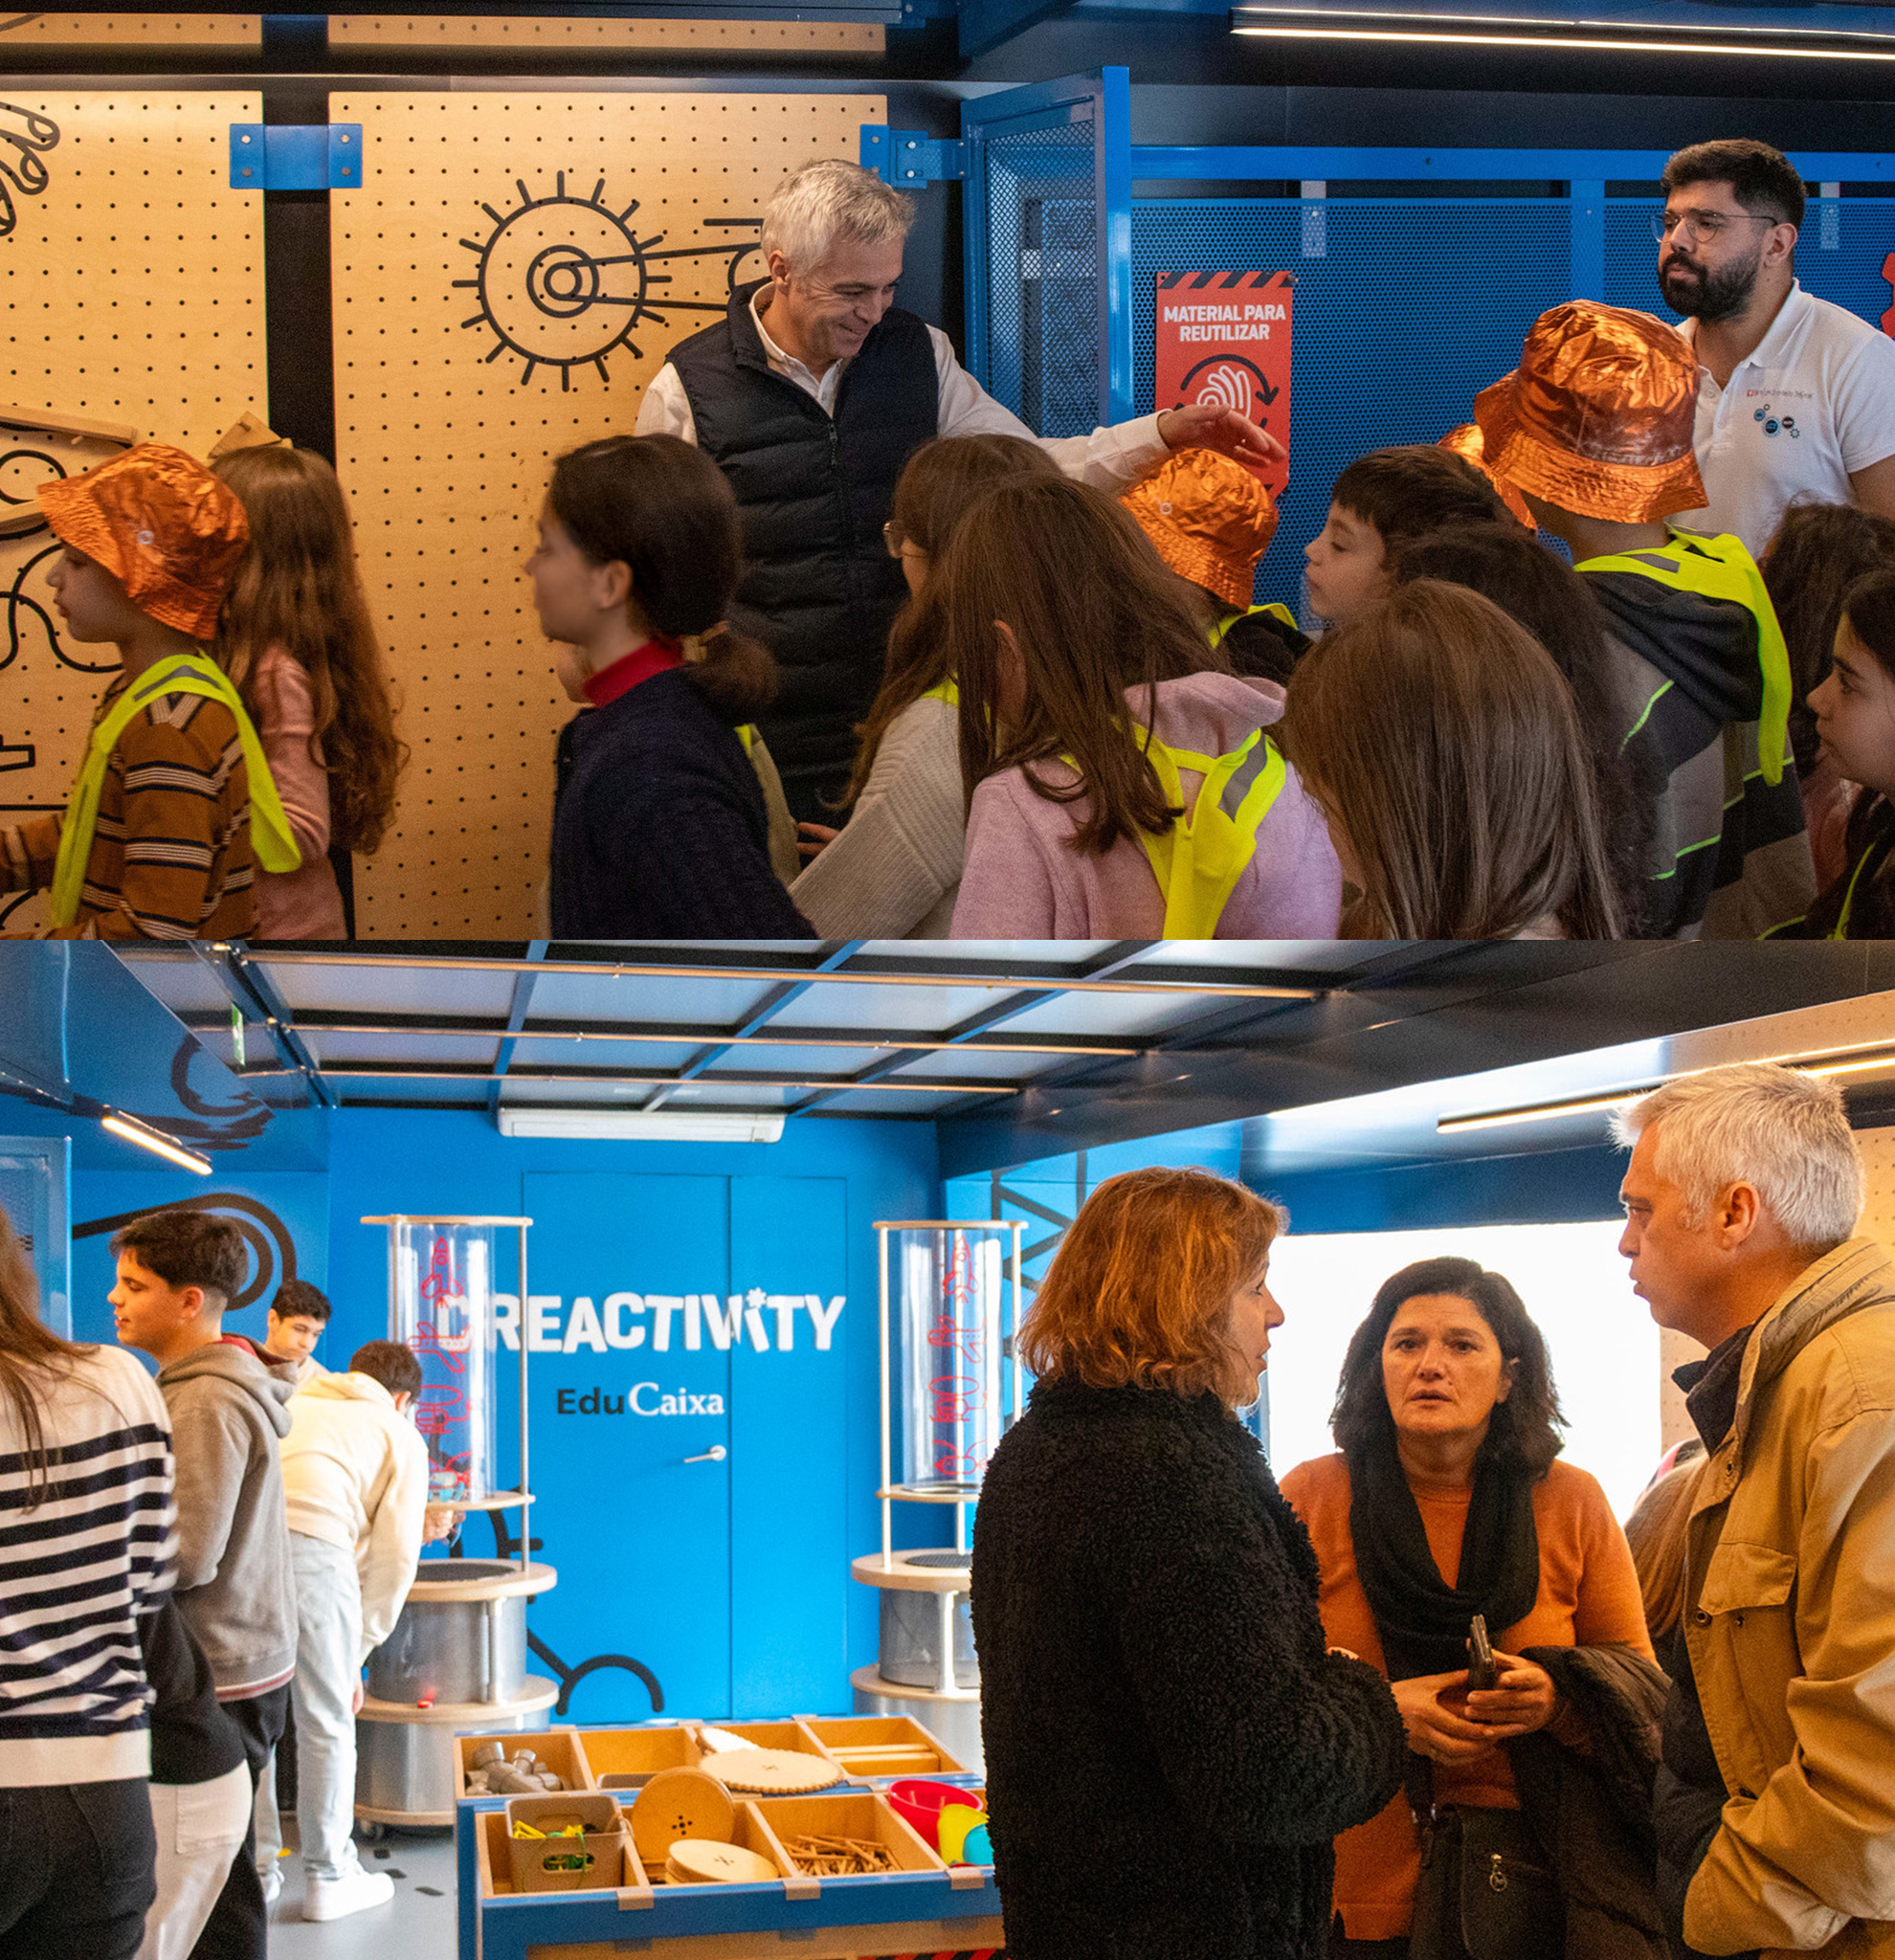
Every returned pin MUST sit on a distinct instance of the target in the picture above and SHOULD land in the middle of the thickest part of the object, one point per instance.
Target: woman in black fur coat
(1169, 1748)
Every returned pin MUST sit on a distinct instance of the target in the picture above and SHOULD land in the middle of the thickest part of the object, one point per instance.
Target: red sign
(1224, 337)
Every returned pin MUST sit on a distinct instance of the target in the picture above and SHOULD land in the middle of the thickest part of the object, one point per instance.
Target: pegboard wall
(506, 283)
(561, 35)
(1877, 1148)
(131, 291)
(131, 30)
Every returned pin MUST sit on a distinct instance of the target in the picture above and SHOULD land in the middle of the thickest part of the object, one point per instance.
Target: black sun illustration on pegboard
(562, 280)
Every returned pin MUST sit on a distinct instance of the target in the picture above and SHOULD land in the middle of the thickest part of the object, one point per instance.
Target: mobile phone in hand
(1482, 1673)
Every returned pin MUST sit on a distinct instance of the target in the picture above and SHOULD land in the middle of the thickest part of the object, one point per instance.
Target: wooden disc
(679, 1803)
(694, 1861)
(776, 1772)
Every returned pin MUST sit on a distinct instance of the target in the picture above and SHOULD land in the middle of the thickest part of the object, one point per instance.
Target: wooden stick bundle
(838, 1858)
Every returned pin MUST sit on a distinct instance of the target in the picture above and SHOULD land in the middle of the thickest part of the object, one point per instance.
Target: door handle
(716, 1454)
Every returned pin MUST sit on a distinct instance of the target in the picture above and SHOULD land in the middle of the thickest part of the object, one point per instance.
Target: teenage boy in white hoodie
(355, 1484)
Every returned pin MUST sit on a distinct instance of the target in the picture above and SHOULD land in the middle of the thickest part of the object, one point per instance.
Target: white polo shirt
(1813, 403)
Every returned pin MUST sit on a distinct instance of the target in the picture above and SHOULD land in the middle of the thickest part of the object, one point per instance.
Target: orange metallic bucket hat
(1209, 518)
(1599, 415)
(161, 524)
(1466, 443)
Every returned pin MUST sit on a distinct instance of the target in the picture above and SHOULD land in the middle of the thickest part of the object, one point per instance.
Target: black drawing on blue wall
(25, 137)
(268, 1239)
(562, 280)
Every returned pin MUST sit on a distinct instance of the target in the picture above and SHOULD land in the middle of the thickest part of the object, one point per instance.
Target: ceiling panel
(338, 1051)
(386, 987)
(902, 1008)
(641, 1057)
(681, 1000)
(987, 1065)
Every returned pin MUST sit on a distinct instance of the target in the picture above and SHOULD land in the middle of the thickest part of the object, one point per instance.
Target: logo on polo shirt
(1774, 423)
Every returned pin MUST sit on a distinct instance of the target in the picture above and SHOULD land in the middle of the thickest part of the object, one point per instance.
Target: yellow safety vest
(270, 836)
(1276, 612)
(1878, 851)
(948, 690)
(1720, 568)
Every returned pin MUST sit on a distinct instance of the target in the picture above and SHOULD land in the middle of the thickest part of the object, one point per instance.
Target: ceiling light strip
(1825, 1061)
(1576, 43)
(1410, 17)
(146, 1138)
(611, 970)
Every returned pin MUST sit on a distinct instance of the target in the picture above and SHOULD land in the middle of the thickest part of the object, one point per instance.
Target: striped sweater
(171, 855)
(78, 1569)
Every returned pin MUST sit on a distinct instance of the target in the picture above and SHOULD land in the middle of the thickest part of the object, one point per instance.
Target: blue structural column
(1589, 238)
(1115, 243)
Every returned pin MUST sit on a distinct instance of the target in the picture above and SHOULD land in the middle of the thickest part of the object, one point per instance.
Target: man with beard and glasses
(1795, 396)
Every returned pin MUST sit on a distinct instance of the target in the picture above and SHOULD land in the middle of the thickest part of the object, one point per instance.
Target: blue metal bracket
(295, 156)
(911, 158)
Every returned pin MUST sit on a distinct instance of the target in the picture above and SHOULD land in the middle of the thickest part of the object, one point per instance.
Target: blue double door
(688, 1341)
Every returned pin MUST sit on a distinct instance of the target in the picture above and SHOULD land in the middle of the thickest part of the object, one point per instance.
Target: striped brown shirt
(171, 855)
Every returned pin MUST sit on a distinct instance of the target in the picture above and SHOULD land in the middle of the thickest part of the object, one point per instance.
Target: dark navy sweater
(658, 825)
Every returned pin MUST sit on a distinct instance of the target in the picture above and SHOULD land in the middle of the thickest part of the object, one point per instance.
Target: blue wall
(730, 1579)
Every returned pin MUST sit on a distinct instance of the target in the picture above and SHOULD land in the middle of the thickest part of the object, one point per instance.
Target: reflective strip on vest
(1281, 614)
(1720, 568)
(949, 691)
(1200, 860)
(270, 836)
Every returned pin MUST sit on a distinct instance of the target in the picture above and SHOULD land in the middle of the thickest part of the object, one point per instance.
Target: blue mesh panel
(1043, 332)
(1849, 274)
(1414, 307)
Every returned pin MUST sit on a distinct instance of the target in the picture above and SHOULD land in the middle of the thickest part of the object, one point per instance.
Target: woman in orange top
(1444, 1502)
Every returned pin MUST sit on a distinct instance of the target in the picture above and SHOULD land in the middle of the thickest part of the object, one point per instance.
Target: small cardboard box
(603, 1845)
(629, 1758)
(880, 1748)
(559, 1749)
(860, 1813)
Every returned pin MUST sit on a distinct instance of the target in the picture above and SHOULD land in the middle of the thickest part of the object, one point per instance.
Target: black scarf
(1423, 1622)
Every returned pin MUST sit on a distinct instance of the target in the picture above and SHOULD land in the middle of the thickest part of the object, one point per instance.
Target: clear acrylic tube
(950, 1283)
(442, 1305)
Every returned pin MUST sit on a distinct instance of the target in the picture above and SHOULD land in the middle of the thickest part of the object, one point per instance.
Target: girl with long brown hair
(895, 868)
(1122, 782)
(1444, 748)
(296, 636)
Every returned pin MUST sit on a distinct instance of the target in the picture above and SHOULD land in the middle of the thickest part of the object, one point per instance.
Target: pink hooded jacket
(1023, 879)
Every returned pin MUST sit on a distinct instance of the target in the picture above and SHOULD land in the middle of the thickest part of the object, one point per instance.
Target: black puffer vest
(819, 589)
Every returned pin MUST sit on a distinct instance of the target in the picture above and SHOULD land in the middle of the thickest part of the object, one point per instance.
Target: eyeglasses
(1702, 226)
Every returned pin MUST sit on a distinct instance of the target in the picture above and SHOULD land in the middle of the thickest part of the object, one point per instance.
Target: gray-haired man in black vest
(811, 395)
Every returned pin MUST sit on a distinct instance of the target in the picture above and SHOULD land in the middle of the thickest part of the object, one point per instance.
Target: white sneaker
(354, 1891)
(271, 1878)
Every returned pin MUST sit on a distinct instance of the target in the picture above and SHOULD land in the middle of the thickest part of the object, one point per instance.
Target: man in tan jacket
(1775, 1804)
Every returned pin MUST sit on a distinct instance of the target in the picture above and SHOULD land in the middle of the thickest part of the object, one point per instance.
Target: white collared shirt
(1106, 459)
(1811, 404)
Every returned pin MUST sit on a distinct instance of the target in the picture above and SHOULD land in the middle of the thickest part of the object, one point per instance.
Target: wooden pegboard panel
(1877, 1148)
(453, 391)
(555, 35)
(131, 31)
(131, 291)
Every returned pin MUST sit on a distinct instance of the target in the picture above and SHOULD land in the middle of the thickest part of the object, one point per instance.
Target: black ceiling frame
(1101, 965)
(247, 986)
(759, 1017)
